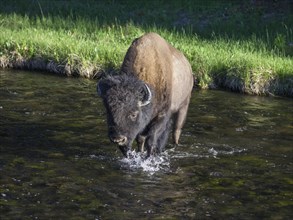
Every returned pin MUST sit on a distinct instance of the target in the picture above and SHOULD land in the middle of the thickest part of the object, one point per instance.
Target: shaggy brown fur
(156, 62)
(149, 59)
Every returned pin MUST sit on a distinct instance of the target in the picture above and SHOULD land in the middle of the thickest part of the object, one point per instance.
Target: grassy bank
(244, 46)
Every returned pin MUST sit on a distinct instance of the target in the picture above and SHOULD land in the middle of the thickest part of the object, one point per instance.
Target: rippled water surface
(234, 160)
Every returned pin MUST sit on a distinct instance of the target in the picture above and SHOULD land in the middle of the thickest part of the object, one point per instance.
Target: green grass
(245, 47)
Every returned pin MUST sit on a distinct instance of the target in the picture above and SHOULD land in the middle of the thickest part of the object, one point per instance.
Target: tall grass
(238, 46)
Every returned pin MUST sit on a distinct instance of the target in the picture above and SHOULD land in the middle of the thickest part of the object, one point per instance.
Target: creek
(234, 160)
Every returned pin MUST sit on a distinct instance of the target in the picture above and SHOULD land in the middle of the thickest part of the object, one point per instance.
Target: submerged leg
(140, 139)
(163, 139)
(179, 119)
(157, 134)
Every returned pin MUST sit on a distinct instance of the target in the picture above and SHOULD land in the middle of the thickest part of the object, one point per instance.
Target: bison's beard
(124, 149)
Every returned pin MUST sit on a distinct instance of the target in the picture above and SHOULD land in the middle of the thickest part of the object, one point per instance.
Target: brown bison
(153, 87)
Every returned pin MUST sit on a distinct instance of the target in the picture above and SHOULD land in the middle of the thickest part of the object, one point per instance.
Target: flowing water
(56, 162)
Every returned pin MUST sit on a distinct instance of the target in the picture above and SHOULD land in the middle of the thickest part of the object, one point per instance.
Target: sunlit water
(234, 160)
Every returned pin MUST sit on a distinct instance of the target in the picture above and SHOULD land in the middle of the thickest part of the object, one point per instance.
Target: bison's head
(129, 108)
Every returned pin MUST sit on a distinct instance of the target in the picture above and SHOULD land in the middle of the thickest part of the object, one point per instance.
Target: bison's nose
(120, 140)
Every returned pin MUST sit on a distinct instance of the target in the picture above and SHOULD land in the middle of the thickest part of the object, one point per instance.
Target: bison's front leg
(140, 139)
(157, 134)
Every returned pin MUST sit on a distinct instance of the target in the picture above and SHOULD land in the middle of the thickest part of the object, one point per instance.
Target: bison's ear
(147, 96)
(103, 86)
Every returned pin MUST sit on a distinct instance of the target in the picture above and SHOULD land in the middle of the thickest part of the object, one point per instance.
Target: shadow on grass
(267, 20)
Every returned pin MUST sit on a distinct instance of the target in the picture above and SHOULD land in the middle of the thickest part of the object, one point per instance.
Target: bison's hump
(153, 60)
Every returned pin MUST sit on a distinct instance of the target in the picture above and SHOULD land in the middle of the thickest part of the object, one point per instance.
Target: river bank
(236, 46)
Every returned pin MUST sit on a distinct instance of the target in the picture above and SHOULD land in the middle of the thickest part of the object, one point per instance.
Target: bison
(153, 87)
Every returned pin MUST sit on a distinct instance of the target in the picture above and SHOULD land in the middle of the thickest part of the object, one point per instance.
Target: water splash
(153, 164)
(137, 160)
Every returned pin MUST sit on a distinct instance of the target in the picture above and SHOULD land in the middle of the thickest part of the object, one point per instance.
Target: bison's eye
(133, 115)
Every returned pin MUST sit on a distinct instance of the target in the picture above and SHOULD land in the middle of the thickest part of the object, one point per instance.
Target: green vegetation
(244, 46)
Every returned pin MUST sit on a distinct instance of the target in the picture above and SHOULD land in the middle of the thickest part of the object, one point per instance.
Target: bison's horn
(148, 98)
